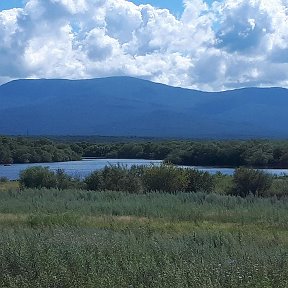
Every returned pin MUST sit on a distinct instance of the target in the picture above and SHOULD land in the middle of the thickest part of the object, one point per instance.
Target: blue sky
(232, 44)
(8, 4)
(174, 6)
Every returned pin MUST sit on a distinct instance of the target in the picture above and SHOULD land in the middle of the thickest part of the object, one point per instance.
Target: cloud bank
(229, 44)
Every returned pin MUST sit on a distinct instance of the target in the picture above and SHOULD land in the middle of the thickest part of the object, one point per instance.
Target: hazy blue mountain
(132, 107)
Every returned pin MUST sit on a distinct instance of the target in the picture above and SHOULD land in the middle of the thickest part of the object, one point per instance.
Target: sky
(175, 6)
(205, 45)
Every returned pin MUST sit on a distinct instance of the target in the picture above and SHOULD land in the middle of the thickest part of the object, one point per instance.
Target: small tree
(250, 181)
(166, 178)
(199, 181)
(94, 181)
(38, 177)
(115, 178)
(63, 181)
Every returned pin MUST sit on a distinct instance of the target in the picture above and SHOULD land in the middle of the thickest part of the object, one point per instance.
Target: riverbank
(86, 166)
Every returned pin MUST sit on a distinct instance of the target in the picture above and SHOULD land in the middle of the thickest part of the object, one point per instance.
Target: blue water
(230, 171)
(74, 168)
(86, 166)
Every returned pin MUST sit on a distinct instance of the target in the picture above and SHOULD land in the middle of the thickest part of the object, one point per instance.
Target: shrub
(120, 178)
(249, 181)
(199, 181)
(115, 178)
(63, 181)
(4, 179)
(93, 181)
(166, 178)
(223, 183)
(37, 177)
(279, 187)
(42, 177)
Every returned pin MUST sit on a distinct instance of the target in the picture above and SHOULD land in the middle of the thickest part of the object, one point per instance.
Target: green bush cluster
(165, 178)
(115, 178)
(39, 177)
(279, 187)
(250, 181)
(169, 178)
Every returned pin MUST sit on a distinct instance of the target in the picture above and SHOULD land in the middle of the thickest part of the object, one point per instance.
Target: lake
(74, 168)
(86, 166)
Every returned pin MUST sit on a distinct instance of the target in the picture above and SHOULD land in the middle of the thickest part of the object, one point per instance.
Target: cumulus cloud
(229, 44)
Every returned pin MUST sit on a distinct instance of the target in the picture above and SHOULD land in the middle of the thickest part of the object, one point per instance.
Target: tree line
(27, 150)
(252, 153)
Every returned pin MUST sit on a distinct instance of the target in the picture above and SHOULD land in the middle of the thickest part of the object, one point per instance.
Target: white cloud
(229, 44)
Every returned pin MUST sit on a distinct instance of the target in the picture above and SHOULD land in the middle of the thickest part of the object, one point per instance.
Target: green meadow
(77, 238)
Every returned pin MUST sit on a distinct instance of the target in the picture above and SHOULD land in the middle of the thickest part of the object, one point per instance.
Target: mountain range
(125, 106)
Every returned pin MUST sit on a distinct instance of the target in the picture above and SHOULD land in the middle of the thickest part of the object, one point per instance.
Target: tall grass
(102, 258)
(181, 206)
(76, 238)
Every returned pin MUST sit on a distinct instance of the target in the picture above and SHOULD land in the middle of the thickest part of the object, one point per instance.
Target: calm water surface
(86, 166)
(74, 168)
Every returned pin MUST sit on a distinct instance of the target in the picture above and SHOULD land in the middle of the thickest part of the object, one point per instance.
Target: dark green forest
(253, 153)
(236, 153)
(28, 150)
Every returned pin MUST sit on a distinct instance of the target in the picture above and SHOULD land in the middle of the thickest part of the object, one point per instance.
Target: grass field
(52, 238)
(9, 185)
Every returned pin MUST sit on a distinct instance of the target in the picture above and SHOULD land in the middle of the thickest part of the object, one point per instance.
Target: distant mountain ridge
(125, 106)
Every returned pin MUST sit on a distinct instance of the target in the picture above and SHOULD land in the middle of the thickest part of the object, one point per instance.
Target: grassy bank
(71, 238)
(9, 185)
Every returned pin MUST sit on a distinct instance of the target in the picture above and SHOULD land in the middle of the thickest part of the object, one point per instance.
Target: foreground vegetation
(167, 178)
(76, 238)
(6, 185)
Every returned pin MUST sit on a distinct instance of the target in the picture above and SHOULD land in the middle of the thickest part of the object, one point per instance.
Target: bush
(166, 178)
(4, 179)
(199, 181)
(115, 178)
(65, 181)
(37, 177)
(93, 181)
(223, 183)
(42, 177)
(249, 181)
(279, 187)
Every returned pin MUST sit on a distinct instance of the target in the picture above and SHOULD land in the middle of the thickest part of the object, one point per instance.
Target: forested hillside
(123, 106)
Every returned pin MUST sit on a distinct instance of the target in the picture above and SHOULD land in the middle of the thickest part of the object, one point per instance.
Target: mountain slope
(132, 107)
